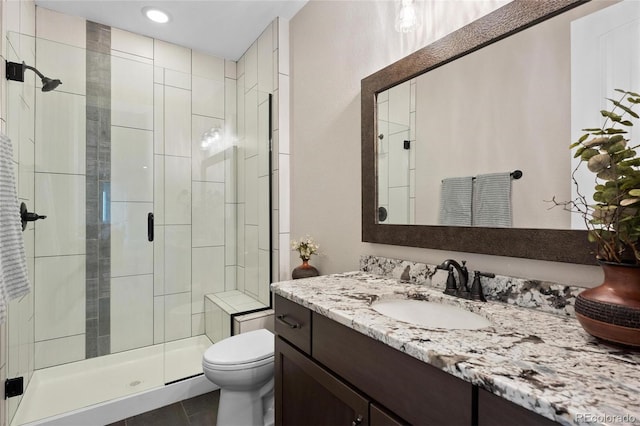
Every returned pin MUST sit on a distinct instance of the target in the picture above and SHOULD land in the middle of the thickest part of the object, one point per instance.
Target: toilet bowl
(242, 365)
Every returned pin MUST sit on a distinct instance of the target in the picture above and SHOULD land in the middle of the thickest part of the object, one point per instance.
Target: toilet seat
(233, 367)
(241, 352)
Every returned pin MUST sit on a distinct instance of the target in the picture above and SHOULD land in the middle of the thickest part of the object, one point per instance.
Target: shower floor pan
(106, 389)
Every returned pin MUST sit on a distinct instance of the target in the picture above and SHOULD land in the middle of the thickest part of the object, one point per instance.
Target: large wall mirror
(507, 93)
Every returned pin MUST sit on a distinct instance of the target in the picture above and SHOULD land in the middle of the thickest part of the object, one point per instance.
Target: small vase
(304, 271)
(611, 311)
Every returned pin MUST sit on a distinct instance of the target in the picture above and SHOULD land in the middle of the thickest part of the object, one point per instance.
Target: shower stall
(152, 165)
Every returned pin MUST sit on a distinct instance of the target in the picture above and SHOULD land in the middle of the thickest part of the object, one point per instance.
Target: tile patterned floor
(199, 411)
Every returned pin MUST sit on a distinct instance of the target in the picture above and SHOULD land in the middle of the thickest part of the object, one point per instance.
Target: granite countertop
(540, 361)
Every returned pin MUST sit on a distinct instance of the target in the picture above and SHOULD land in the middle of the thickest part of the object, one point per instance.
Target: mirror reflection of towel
(492, 200)
(455, 201)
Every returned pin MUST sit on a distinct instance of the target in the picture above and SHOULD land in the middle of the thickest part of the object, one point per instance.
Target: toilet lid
(241, 349)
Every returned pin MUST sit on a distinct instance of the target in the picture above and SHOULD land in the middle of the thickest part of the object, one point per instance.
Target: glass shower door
(84, 157)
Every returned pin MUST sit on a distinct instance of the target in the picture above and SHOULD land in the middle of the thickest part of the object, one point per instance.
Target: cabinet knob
(357, 421)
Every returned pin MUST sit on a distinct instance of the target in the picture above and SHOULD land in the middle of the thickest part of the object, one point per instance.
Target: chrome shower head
(15, 71)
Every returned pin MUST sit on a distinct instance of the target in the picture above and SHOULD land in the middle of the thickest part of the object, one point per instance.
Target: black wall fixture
(13, 387)
(15, 72)
(26, 216)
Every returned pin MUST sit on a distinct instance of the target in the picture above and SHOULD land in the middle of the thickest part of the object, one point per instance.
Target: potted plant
(305, 248)
(611, 311)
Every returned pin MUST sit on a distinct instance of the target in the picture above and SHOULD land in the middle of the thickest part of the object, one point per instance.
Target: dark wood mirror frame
(542, 244)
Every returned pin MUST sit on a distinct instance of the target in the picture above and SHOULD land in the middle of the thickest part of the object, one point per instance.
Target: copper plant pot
(304, 271)
(611, 311)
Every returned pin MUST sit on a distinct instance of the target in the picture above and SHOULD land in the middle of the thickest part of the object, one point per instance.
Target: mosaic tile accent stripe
(98, 181)
(546, 296)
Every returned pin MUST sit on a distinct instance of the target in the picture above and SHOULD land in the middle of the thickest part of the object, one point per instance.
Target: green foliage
(614, 220)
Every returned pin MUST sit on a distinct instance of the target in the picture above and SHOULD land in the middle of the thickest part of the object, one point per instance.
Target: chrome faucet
(452, 288)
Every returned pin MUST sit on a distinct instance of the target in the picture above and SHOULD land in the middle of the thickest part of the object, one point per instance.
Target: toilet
(242, 365)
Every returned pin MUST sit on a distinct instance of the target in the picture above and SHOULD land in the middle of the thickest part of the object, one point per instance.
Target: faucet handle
(451, 288)
(464, 268)
(476, 287)
(464, 280)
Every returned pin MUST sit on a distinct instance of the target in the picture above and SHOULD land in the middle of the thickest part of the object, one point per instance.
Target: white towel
(492, 200)
(455, 201)
(14, 281)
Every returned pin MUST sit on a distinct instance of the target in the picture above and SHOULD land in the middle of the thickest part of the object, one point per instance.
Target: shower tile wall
(256, 79)
(132, 172)
(281, 266)
(163, 98)
(60, 179)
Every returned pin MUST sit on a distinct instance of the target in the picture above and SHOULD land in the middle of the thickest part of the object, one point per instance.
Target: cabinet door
(496, 411)
(379, 417)
(307, 394)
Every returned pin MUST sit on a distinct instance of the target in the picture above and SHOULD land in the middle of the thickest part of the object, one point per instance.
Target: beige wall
(333, 46)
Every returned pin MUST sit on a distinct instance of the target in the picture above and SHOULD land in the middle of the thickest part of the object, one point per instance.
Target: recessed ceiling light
(156, 15)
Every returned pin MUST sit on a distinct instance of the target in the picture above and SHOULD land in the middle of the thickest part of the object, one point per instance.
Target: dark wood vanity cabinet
(307, 394)
(496, 411)
(329, 374)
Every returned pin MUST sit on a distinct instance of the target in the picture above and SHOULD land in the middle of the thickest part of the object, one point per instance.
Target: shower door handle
(150, 226)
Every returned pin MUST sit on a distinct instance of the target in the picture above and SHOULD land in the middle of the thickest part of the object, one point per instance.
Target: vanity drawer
(293, 323)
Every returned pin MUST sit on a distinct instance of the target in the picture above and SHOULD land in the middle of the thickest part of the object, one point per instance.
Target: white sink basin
(431, 315)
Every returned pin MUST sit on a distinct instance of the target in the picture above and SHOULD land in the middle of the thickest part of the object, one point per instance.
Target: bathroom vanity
(338, 361)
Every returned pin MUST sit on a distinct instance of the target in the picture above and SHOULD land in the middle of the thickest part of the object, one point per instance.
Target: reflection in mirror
(396, 170)
(504, 107)
(559, 245)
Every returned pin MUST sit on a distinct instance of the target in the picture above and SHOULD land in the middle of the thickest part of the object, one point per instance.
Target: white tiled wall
(62, 199)
(281, 130)
(177, 123)
(133, 44)
(257, 73)
(255, 321)
(132, 313)
(208, 275)
(220, 307)
(132, 164)
(177, 190)
(131, 93)
(177, 265)
(131, 253)
(134, 192)
(59, 166)
(61, 129)
(209, 213)
(59, 300)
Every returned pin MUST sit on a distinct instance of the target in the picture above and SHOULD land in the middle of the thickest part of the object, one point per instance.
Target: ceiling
(223, 28)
